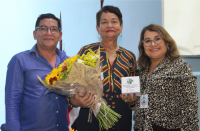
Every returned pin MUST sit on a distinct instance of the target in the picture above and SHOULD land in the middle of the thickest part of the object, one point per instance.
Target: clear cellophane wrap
(81, 78)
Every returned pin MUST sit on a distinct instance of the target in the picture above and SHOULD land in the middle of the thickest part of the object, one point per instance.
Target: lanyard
(144, 87)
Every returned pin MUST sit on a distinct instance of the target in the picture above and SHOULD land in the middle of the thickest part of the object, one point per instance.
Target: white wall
(18, 19)
(182, 21)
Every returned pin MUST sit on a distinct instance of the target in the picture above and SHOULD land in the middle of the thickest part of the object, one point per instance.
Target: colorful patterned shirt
(124, 65)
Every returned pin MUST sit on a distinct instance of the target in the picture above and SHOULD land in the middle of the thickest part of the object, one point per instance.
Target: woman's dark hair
(172, 51)
(49, 15)
(111, 9)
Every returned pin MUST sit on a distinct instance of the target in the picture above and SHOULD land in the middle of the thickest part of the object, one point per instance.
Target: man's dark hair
(111, 9)
(48, 15)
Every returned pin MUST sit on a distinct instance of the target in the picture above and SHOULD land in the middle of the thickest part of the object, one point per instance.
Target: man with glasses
(29, 105)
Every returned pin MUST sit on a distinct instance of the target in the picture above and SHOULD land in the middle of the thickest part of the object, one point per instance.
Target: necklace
(156, 62)
(114, 53)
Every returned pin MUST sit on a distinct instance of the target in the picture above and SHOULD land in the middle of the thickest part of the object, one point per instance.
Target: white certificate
(130, 85)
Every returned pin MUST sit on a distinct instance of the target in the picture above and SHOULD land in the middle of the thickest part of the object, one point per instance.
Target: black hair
(48, 15)
(111, 9)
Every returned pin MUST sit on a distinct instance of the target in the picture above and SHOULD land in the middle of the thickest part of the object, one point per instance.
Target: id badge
(144, 101)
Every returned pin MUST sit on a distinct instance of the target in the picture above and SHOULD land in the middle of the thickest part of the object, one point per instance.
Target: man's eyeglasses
(43, 29)
(157, 40)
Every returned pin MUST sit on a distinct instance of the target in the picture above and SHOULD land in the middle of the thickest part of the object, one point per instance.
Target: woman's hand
(82, 100)
(129, 99)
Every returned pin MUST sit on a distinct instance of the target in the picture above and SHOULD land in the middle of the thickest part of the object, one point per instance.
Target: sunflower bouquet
(82, 74)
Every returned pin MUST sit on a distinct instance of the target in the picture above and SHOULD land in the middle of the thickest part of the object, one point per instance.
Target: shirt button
(57, 124)
(111, 76)
(56, 97)
(56, 111)
(111, 83)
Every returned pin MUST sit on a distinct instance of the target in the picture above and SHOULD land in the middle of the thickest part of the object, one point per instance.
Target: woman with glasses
(168, 84)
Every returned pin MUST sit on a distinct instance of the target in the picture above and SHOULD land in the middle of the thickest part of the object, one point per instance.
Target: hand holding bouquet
(82, 74)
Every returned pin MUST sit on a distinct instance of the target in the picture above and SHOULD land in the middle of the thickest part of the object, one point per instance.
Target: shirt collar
(35, 51)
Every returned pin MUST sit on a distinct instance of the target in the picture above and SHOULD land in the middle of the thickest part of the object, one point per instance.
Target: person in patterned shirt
(116, 62)
(168, 82)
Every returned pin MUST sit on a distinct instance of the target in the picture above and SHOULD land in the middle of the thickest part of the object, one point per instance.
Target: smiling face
(47, 40)
(110, 27)
(154, 51)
